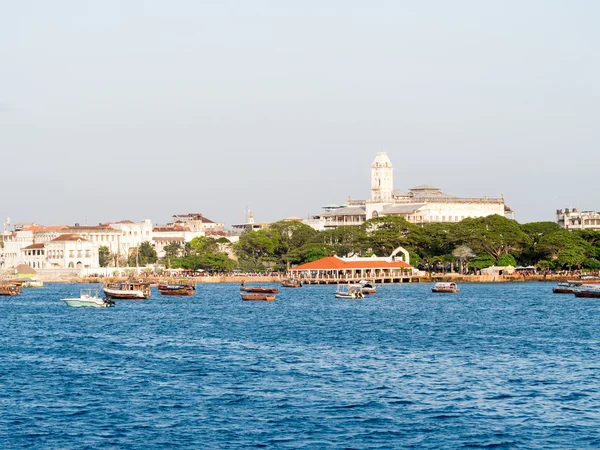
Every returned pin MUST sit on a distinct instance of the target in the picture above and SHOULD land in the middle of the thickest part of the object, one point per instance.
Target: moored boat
(257, 289)
(127, 290)
(445, 288)
(8, 289)
(567, 287)
(367, 288)
(351, 292)
(291, 283)
(88, 298)
(587, 291)
(33, 283)
(177, 288)
(264, 297)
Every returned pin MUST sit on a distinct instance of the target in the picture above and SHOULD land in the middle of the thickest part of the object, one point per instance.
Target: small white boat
(88, 298)
(445, 288)
(350, 292)
(33, 283)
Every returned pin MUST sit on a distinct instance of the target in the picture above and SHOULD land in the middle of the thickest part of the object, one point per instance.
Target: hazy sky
(117, 110)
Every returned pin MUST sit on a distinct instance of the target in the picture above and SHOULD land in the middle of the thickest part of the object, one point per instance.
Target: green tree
(291, 236)
(387, 233)
(506, 260)
(142, 255)
(482, 262)
(494, 235)
(570, 258)
(257, 247)
(104, 256)
(550, 245)
(173, 250)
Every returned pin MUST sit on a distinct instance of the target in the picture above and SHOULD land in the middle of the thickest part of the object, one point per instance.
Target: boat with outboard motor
(89, 298)
(567, 287)
(367, 287)
(349, 292)
(445, 288)
(587, 291)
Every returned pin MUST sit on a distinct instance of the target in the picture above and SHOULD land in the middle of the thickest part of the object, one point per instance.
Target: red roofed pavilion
(333, 269)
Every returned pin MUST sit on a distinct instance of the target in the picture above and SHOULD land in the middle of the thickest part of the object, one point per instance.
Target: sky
(114, 110)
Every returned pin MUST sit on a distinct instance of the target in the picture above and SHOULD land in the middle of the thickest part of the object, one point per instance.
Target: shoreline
(276, 279)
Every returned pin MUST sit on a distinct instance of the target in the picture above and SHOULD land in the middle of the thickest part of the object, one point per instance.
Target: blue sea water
(495, 366)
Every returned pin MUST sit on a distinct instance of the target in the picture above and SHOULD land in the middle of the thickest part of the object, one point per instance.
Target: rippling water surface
(495, 366)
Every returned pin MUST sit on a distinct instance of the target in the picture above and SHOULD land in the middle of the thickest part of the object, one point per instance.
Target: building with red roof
(333, 269)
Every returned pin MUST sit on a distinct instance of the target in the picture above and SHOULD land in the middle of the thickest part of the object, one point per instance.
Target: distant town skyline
(113, 111)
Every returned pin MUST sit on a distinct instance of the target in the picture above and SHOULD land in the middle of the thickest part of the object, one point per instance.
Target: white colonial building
(573, 219)
(421, 204)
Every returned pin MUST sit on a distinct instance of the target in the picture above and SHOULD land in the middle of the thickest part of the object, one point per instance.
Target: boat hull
(90, 303)
(177, 292)
(258, 297)
(587, 294)
(445, 291)
(563, 290)
(347, 296)
(259, 290)
(124, 295)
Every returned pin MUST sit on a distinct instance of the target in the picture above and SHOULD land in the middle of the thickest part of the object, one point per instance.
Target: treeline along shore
(463, 248)
(430, 278)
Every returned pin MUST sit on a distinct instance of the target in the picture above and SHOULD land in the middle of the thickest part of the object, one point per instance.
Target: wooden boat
(351, 292)
(10, 289)
(88, 298)
(258, 289)
(127, 290)
(177, 288)
(264, 297)
(567, 287)
(291, 283)
(445, 288)
(588, 291)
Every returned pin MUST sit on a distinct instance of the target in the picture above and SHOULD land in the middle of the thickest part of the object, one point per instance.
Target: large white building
(421, 204)
(573, 219)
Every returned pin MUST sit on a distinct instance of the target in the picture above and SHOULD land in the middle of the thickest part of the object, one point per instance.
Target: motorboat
(567, 287)
(588, 291)
(89, 298)
(350, 292)
(127, 290)
(367, 287)
(33, 283)
(263, 297)
(445, 288)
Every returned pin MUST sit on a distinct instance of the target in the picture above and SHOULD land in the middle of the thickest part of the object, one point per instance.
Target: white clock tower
(382, 178)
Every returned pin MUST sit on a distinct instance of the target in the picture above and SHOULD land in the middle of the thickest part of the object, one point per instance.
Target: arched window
(71, 265)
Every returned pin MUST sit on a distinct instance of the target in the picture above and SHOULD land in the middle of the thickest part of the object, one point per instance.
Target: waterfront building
(197, 223)
(419, 205)
(573, 219)
(250, 224)
(66, 251)
(333, 269)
